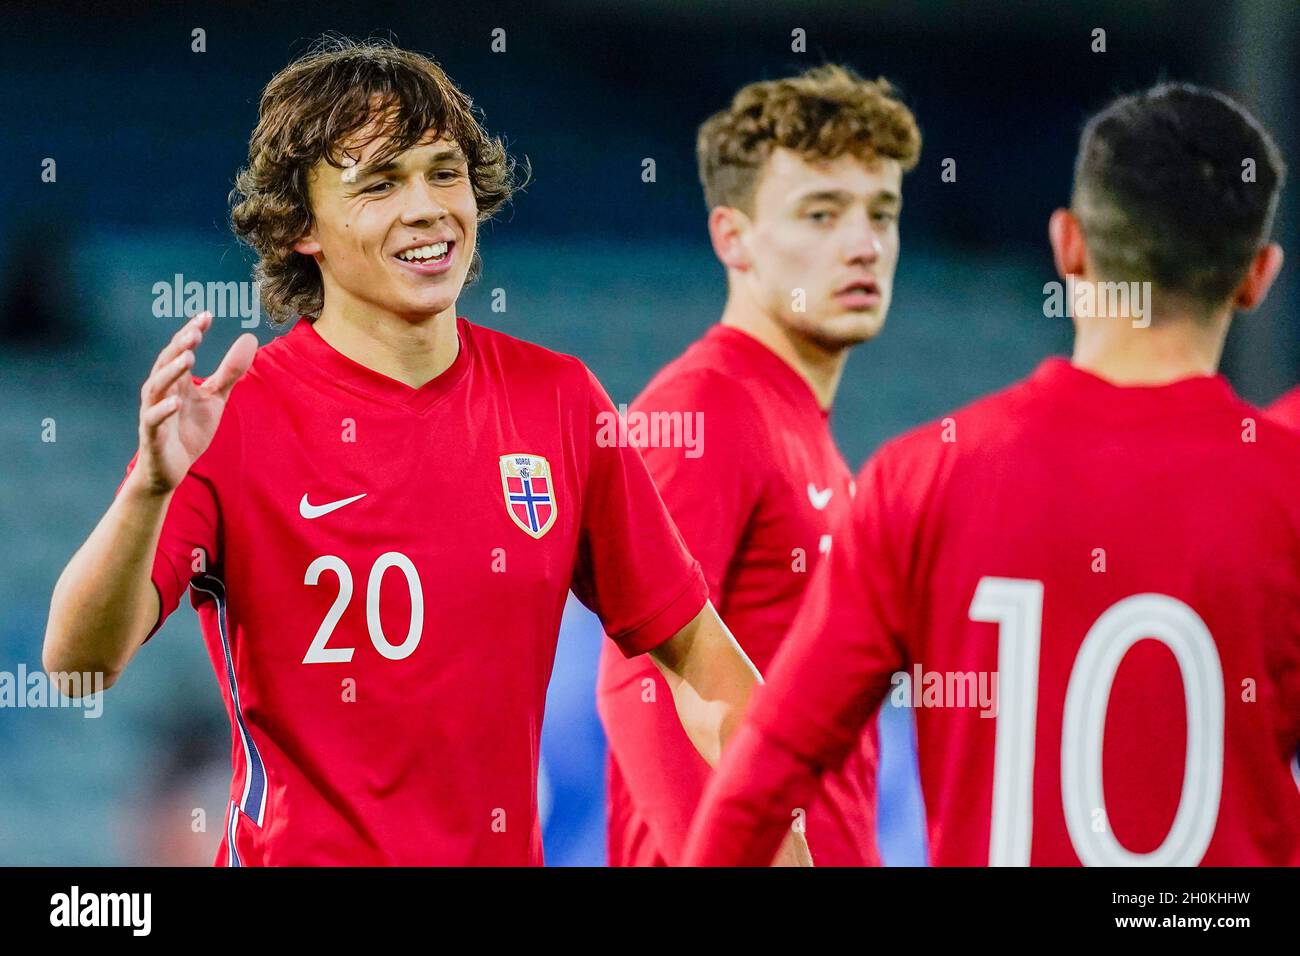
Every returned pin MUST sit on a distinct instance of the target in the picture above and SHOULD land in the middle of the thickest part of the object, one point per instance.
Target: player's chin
(430, 297)
(844, 328)
(421, 306)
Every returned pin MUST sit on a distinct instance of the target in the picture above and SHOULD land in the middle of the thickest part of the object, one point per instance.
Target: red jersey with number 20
(380, 572)
(1126, 561)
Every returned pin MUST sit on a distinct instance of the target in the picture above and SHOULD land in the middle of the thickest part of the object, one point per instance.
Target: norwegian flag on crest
(529, 492)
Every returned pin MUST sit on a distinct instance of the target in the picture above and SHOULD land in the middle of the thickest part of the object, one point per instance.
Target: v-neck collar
(350, 374)
(776, 370)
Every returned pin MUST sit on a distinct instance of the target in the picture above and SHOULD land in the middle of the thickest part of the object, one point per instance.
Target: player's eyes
(447, 175)
(820, 216)
(885, 217)
(379, 187)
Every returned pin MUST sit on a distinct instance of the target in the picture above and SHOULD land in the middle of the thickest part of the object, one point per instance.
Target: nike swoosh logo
(309, 510)
(819, 499)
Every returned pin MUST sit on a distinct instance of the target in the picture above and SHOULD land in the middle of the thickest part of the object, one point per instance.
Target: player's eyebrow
(839, 196)
(842, 197)
(451, 154)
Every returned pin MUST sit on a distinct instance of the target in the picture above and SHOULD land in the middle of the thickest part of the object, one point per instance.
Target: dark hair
(312, 107)
(1163, 194)
(822, 113)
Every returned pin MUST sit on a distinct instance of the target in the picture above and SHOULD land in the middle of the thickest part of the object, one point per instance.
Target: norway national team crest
(529, 491)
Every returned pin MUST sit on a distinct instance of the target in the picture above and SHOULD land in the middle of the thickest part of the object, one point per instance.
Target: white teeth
(435, 251)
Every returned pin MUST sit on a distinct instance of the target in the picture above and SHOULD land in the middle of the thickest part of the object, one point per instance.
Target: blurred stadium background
(147, 135)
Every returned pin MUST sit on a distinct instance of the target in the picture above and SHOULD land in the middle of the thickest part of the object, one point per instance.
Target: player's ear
(1068, 249)
(726, 228)
(1259, 278)
(308, 245)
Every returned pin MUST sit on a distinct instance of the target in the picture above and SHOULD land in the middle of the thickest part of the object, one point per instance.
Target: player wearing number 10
(1117, 537)
(380, 514)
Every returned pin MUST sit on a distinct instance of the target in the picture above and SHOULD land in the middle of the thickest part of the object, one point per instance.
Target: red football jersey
(755, 486)
(380, 572)
(1126, 561)
(1287, 409)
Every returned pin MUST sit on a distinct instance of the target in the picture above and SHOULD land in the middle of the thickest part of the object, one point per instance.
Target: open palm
(178, 417)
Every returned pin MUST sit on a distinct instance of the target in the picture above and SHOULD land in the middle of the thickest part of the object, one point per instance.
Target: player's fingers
(234, 365)
(159, 412)
(187, 338)
(160, 382)
(188, 335)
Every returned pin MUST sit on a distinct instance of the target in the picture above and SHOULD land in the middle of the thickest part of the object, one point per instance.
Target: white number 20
(319, 653)
(1016, 605)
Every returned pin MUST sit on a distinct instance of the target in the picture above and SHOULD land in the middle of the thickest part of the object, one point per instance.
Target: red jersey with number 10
(1125, 561)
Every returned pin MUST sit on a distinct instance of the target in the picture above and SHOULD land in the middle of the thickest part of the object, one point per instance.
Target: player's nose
(421, 204)
(863, 246)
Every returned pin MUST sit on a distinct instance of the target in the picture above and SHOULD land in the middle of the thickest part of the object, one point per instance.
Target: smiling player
(803, 179)
(379, 515)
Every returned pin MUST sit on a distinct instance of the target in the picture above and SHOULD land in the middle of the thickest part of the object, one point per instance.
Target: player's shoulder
(1265, 435)
(1286, 410)
(686, 384)
(518, 359)
(988, 420)
(1289, 400)
(268, 360)
(1276, 433)
(712, 373)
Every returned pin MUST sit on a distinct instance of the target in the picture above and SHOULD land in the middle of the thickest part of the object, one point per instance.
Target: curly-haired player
(803, 180)
(380, 514)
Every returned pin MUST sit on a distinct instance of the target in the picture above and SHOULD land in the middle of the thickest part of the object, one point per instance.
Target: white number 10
(1016, 605)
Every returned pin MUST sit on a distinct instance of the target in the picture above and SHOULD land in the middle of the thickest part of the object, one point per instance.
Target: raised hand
(177, 417)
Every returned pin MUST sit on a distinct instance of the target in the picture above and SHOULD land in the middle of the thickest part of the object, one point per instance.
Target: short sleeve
(190, 540)
(836, 663)
(633, 568)
(713, 484)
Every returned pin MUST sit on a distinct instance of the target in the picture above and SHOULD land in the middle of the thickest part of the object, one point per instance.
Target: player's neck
(411, 352)
(1163, 352)
(822, 370)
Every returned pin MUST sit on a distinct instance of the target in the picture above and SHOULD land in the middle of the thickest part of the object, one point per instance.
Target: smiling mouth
(433, 259)
(422, 255)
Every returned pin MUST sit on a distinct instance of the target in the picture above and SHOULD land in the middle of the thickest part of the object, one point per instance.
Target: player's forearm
(711, 681)
(711, 711)
(104, 602)
(758, 792)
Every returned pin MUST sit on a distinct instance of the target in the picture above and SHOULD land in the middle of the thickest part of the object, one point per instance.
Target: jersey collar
(355, 377)
(776, 370)
(1060, 376)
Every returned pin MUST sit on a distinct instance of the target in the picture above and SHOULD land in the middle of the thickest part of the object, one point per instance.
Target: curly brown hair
(822, 114)
(308, 111)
